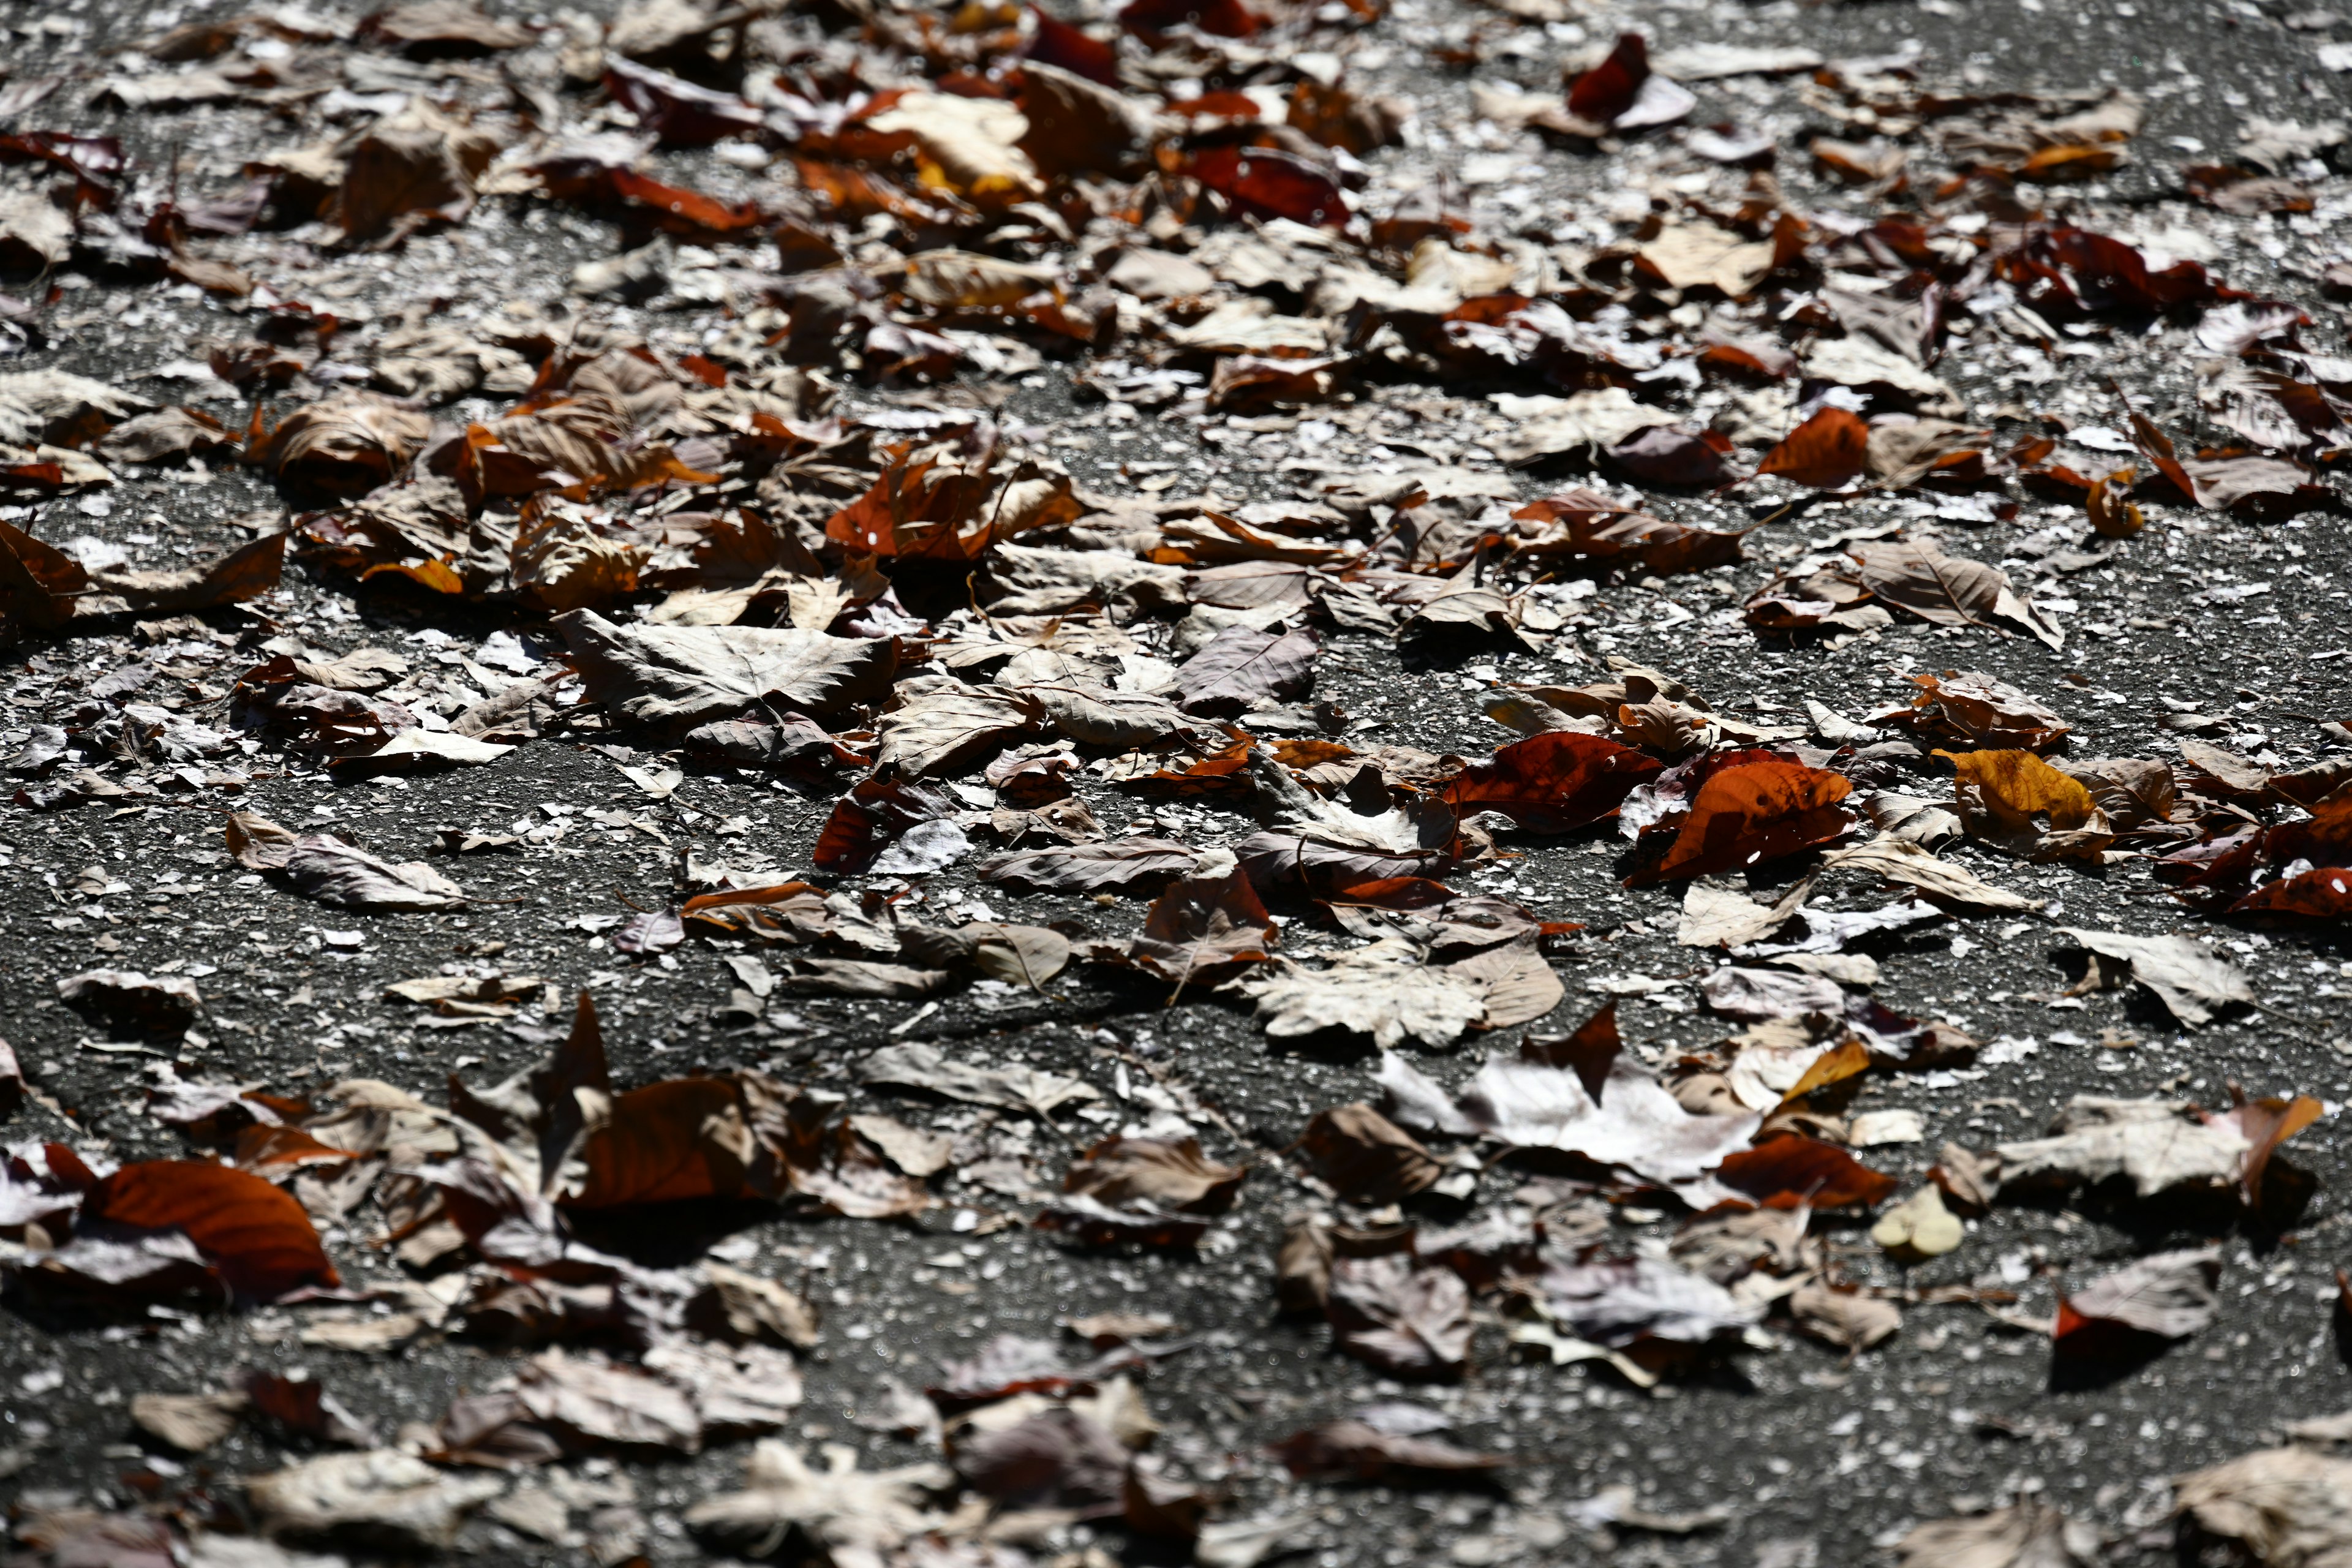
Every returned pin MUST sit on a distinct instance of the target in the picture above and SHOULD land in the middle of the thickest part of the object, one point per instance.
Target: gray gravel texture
(1817, 1457)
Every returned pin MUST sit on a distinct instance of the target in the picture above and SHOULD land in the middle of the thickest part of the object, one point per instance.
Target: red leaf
(2321, 893)
(1147, 19)
(1553, 782)
(1059, 44)
(1609, 88)
(1794, 1171)
(1828, 449)
(666, 1142)
(260, 1239)
(1267, 183)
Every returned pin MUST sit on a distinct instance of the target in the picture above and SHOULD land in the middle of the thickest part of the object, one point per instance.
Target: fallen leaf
(1118, 865)
(1792, 1171)
(924, 1068)
(1171, 1174)
(167, 1004)
(1642, 1303)
(1940, 882)
(1948, 590)
(1241, 669)
(1408, 1320)
(1366, 1156)
(1352, 1450)
(671, 679)
(190, 1423)
(2017, 800)
(850, 1512)
(1554, 783)
(1965, 708)
(1381, 991)
(1830, 449)
(2023, 1535)
(1749, 807)
(336, 873)
(2149, 1148)
(1604, 1110)
(2187, 978)
(383, 1495)
(253, 1237)
(2290, 1507)
(1845, 1319)
(2164, 1296)
(1056, 1458)
(1203, 927)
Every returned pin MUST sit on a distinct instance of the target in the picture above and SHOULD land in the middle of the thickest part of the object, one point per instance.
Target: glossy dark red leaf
(257, 1238)
(1553, 782)
(1148, 19)
(1609, 88)
(1264, 183)
(871, 816)
(1057, 42)
(2321, 893)
(1792, 1170)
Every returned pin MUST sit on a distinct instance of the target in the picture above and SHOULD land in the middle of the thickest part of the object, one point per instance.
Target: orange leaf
(684, 210)
(1750, 812)
(1827, 450)
(2112, 511)
(2267, 1124)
